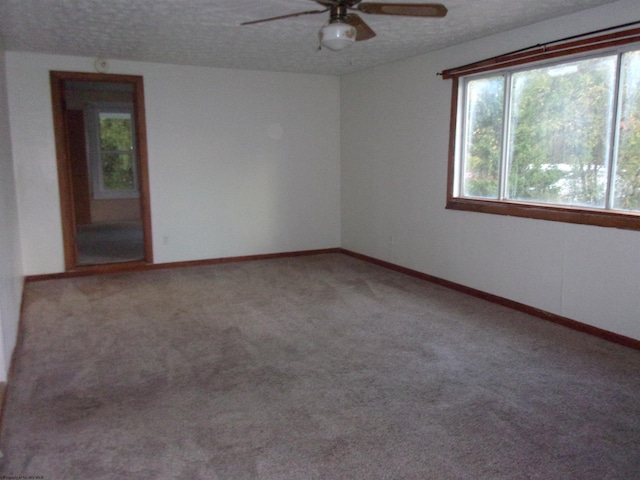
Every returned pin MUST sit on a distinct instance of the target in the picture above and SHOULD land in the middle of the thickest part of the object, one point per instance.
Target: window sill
(583, 216)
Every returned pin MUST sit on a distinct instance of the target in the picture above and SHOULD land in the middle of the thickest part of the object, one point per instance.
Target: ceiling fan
(344, 28)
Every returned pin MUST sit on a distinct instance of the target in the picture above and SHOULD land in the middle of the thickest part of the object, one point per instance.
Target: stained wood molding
(142, 266)
(521, 307)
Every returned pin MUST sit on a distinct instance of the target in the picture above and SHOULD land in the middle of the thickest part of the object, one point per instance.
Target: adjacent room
(318, 239)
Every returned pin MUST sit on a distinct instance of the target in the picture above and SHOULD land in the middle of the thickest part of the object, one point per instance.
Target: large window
(556, 139)
(112, 151)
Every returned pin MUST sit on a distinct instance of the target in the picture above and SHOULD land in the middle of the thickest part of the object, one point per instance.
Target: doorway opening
(102, 169)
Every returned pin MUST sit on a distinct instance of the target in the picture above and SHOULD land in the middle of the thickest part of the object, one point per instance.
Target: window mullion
(615, 136)
(505, 150)
(463, 113)
(568, 118)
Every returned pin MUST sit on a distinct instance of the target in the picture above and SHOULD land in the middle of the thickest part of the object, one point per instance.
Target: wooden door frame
(57, 79)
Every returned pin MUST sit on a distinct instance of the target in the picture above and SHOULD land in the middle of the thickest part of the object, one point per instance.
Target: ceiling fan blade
(364, 31)
(406, 9)
(346, 3)
(309, 12)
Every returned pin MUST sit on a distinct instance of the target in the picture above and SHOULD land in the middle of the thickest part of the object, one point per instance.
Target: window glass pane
(117, 171)
(627, 181)
(483, 137)
(560, 132)
(115, 131)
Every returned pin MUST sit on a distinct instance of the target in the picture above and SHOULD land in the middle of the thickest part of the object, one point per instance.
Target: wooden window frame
(559, 213)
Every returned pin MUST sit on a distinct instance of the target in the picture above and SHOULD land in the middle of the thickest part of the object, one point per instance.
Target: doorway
(102, 169)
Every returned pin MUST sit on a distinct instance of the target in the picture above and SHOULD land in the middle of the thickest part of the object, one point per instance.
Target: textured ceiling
(208, 32)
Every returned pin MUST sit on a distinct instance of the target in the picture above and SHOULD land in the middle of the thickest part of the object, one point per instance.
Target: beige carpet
(319, 367)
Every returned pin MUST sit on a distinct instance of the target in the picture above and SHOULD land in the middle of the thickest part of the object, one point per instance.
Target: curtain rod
(545, 45)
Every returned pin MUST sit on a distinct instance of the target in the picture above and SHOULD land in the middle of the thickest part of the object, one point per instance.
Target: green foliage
(115, 132)
(560, 133)
(627, 195)
(116, 144)
(628, 172)
(118, 171)
(485, 132)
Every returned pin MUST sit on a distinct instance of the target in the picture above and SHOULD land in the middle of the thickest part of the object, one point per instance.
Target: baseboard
(3, 392)
(536, 312)
(3, 401)
(12, 364)
(142, 266)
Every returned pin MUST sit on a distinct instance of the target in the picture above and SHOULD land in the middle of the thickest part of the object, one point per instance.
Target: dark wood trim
(3, 400)
(57, 79)
(142, 266)
(566, 214)
(521, 307)
(545, 52)
(453, 129)
(554, 213)
(64, 171)
(18, 346)
(3, 396)
(88, 270)
(143, 168)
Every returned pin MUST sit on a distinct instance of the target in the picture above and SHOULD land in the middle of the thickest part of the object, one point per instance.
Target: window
(556, 139)
(112, 152)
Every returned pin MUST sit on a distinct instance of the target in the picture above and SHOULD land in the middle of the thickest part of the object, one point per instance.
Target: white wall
(10, 266)
(243, 162)
(249, 162)
(240, 162)
(394, 177)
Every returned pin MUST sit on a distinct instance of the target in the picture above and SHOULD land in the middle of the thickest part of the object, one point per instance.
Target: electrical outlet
(165, 239)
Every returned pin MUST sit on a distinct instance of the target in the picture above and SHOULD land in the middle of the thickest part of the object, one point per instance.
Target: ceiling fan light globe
(336, 36)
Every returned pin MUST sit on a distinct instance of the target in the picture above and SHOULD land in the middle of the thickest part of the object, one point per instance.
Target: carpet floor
(110, 243)
(318, 367)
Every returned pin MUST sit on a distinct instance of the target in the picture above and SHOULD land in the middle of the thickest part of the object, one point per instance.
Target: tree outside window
(112, 150)
(562, 134)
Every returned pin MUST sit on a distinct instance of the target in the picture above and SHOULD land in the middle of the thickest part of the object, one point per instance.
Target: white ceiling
(208, 32)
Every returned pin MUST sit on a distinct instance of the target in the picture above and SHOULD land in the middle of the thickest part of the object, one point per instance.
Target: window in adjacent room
(112, 155)
(556, 139)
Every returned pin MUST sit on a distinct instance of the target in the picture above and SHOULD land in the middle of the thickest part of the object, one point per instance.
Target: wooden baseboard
(3, 401)
(543, 314)
(536, 312)
(142, 266)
